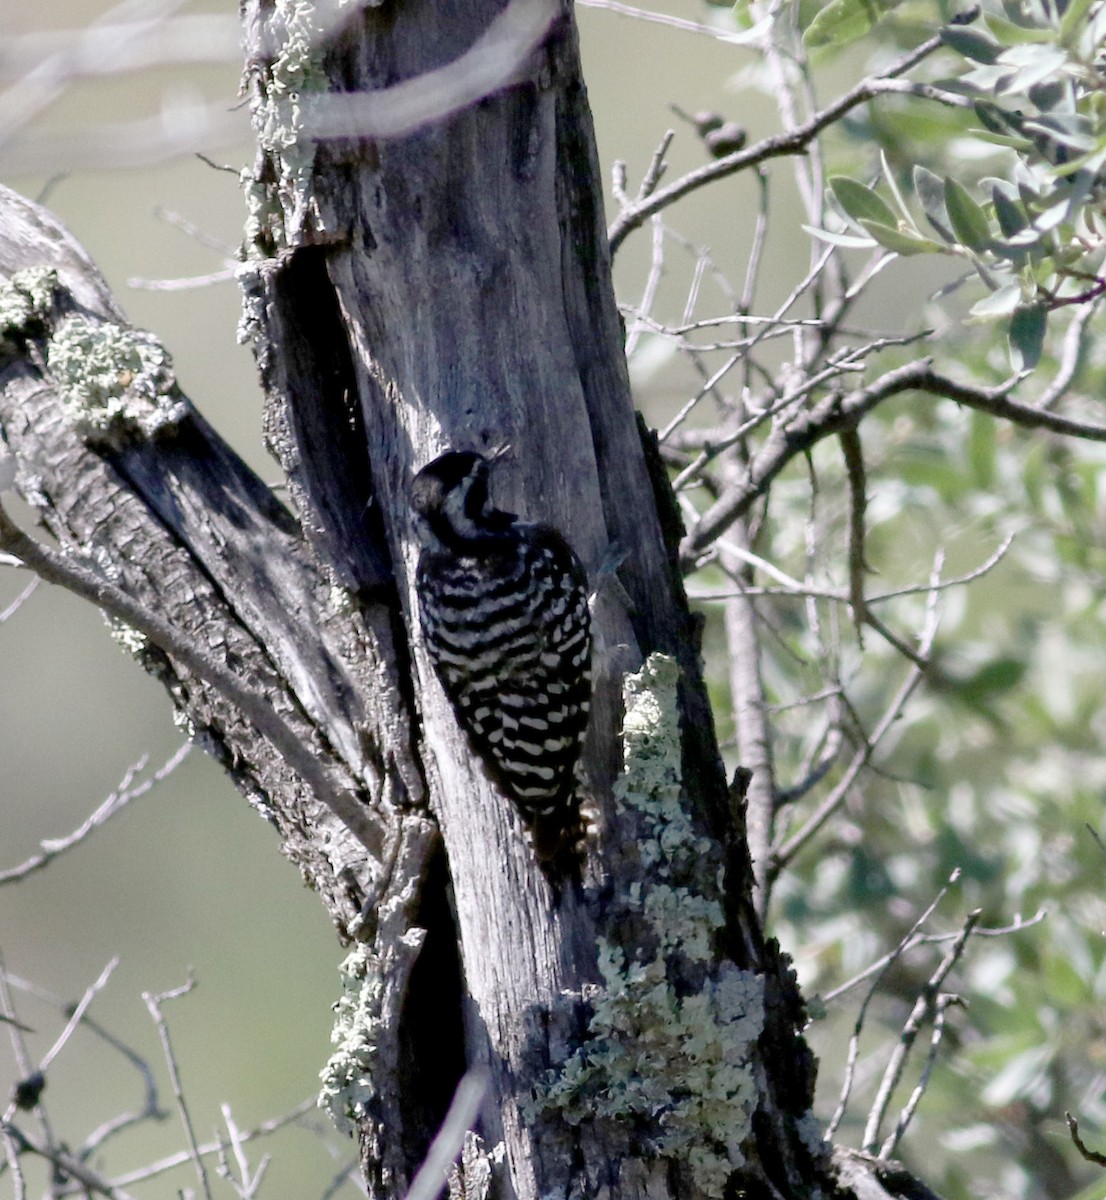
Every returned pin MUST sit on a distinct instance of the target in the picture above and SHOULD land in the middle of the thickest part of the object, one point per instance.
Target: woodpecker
(504, 609)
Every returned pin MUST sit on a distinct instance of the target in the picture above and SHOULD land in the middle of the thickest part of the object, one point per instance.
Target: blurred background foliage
(993, 769)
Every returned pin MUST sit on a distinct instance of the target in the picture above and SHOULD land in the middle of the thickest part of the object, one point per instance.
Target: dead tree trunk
(448, 286)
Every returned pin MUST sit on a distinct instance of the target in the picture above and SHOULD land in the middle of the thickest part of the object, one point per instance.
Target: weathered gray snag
(450, 287)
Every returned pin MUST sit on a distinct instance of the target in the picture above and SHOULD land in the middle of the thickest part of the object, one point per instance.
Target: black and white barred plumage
(504, 608)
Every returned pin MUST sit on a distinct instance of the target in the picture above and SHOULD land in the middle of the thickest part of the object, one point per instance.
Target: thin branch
(116, 802)
(442, 1154)
(656, 18)
(657, 166)
(754, 743)
(941, 1004)
(153, 1003)
(649, 293)
(923, 1007)
(804, 591)
(349, 1173)
(19, 601)
(792, 142)
(497, 59)
(836, 412)
(185, 284)
(822, 766)
(847, 360)
(249, 1182)
(16, 1029)
(929, 939)
(756, 250)
(78, 1014)
(1093, 1156)
(151, 1108)
(853, 453)
(65, 1164)
(1071, 356)
(787, 851)
(879, 969)
(172, 1161)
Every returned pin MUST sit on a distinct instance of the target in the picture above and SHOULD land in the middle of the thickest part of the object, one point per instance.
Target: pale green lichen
(26, 301)
(117, 383)
(341, 600)
(673, 1062)
(132, 640)
(296, 30)
(348, 1089)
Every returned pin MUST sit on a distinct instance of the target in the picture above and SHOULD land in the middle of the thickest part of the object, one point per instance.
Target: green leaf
(1071, 24)
(930, 190)
(998, 304)
(847, 241)
(861, 203)
(1032, 64)
(982, 448)
(997, 119)
(1010, 34)
(1011, 217)
(843, 21)
(970, 43)
(892, 238)
(969, 221)
(999, 675)
(889, 175)
(1027, 336)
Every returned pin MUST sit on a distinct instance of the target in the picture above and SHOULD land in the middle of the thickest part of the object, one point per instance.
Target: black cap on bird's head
(444, 475)
(452, 494)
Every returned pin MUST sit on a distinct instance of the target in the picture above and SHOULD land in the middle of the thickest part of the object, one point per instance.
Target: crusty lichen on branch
(671, 1059)
(348, 1089)
(116, 382)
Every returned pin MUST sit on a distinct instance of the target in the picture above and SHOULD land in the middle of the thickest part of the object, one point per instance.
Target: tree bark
(446, 288)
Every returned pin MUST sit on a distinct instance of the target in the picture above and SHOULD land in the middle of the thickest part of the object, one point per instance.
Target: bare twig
(78, 1013)
(825, 761)
(19, 601)
(153, 1004)
(929, 939)
(495, 60)
(792, 587)
(836, 412)
(442, 1154)
(657, 166)
(754, 744)
(939, 1006)
(656, 18)
(793, 844)
(185, 284)
(1071, 355)
(65, 1164)
(923, 1008)
(247, 1184)
(16, 1030)
(649, 293)
(1093, 1156)
(172, 1161)
(151, 1109)
(853, 454)
(116, 802)
(879, 969)
(792, 142)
